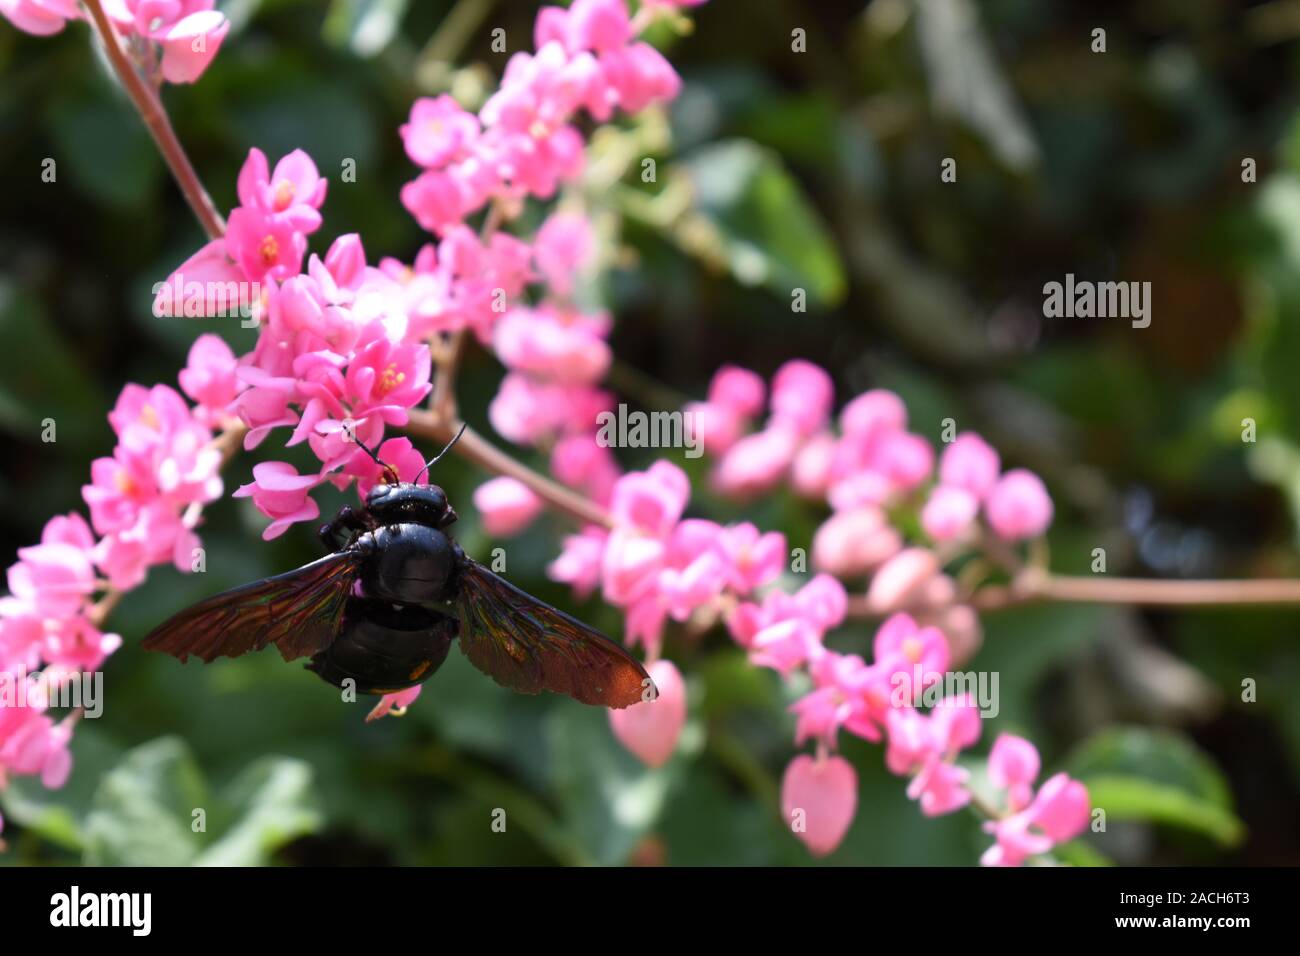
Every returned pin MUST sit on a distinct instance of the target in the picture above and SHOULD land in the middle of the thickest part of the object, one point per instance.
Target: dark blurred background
(776, 169)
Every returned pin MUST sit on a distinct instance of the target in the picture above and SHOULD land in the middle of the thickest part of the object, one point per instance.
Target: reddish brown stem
(483, 453)
(155, 119)
(1032, 586)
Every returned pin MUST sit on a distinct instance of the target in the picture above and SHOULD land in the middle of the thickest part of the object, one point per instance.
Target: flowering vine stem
(151, 110)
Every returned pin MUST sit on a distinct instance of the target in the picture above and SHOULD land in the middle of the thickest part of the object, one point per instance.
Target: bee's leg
(345, 523)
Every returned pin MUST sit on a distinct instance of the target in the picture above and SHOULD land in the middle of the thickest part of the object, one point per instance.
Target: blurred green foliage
(817, 170)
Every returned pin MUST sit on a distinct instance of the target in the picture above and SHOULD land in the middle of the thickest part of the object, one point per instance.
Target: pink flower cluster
(1034, 822)
(864, 469)
(876, 701)
(177, 39)
(144, 502)
(658, 566)
(523, 141)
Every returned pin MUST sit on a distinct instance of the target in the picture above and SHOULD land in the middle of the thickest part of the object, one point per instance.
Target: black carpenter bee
(375, 611)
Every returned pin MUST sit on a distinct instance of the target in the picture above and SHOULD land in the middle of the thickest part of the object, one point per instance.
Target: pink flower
(1014, 766)
(753, 559)
(852, 543)
(563, 247)
(902, 646)
(651, 728)
(738, 390)
(53, 578)
(902, 579)
(925, 747)
(579, 564)
(506, 505)
(292, 194)
(818, 800)
(814, 465)
(1018, 506)
(264, 245)
(394, 702)
(802, 395)
(582, 462)
(438, 132)
(208, 283)
(651, 501)
(190, 43)
(1058, 813)
(436, 200)
(949, 512)
(281, 494)
(32, 743)
(969, 463)
(556, 344)
(386, 379)
(872, 414)
(209, 376)
(756, 463)
(39, 17)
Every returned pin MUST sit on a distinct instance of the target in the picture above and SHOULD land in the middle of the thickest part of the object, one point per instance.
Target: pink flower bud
(651, 728)
(852, 543)
(1018, 507)
(902, 580)
(802, 395)
(819, 800)
(755, 463)
(189, 46)
(969, 463)
(872, 413)
(811, 475)
(506, 505)
(738, 389)
(949, 513)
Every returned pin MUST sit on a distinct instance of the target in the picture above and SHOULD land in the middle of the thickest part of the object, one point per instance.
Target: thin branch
(155, 118)
(1031, 587)
(483, 453)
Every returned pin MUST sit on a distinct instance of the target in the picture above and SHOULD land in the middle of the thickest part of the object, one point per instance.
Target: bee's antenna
(391, 476)
(436, 458)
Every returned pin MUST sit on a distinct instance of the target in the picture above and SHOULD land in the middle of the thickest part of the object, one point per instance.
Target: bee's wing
(299, 612)
(529, 646)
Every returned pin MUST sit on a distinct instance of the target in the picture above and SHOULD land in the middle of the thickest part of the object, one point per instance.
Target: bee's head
(403, 501)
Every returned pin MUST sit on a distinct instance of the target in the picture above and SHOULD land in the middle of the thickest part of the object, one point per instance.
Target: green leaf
(365, 27)
(1079, 853)
(143, 809)
(1134, 798)
(146, 809)
(273, 803)
(106, 151)
(1158, 776)
(769, 233)
(39, 377)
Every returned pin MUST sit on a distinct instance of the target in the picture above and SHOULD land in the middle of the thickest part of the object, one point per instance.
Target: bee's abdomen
(384, 647)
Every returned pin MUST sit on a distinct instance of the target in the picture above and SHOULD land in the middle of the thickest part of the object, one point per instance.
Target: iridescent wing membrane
(529, 646)
(298, 611)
